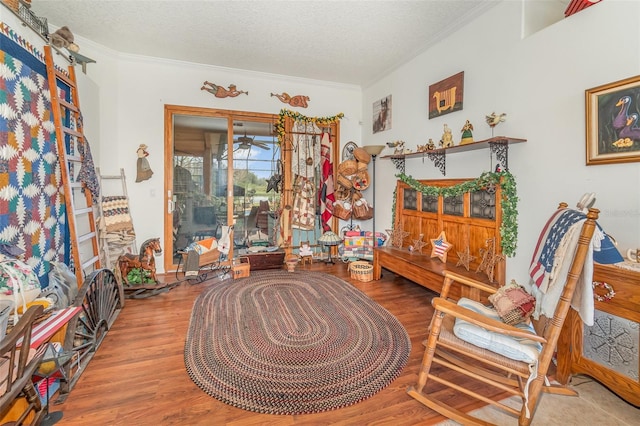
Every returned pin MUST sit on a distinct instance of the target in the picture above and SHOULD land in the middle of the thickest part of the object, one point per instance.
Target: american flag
(440, 246)
(550, 238)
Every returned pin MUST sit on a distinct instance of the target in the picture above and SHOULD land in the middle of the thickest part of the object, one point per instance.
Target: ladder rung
(72, 132)
(83, 210)
(63, 77)
(68, 105)
(75, 185)
(73, 158)
(86, 237)
(90, 262)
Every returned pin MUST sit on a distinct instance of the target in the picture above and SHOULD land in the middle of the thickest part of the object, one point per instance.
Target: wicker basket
(344, 181)
(362, 210)
(361, 155)
(361, 180)
(361, 271)
(340, 212)
(348, 167)
(341, 193)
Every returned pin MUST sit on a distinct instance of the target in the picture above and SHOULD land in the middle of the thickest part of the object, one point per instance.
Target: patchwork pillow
(513, 303)
(514, 348)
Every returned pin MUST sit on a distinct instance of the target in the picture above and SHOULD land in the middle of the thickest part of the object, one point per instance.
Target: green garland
(509, 202)
(296, 116)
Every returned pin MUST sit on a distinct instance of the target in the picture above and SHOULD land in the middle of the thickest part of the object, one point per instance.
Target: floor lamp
(374, 151)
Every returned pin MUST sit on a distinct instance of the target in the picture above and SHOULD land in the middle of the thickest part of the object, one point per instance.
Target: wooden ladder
(107, 248)
(85, 257)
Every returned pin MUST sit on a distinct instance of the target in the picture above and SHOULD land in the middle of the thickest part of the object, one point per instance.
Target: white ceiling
(352, 42)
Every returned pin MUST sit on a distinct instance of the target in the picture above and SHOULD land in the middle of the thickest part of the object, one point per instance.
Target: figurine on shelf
(467, 137)
(494, 119)
(398, 147)
(431, 145)
(447, 137)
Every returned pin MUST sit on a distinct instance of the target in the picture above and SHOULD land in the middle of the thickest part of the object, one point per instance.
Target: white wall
(539, 81)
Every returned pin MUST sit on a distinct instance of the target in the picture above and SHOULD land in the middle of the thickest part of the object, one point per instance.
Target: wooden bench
(467, 220)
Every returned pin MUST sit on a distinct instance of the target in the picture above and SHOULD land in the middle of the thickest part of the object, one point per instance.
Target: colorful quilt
(32, 210)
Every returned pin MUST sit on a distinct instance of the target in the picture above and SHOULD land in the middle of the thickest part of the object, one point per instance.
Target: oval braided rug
(292, 343)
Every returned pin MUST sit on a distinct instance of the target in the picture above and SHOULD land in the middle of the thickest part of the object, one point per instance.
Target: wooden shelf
(499, 145)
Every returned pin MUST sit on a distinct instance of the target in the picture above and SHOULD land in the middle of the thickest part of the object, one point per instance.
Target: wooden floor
(138, 375)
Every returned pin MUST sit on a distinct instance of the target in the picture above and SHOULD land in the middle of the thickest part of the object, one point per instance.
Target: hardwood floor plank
(138, 375)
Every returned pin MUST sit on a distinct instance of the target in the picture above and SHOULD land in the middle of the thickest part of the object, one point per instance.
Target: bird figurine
(398, 147)
(494, 119)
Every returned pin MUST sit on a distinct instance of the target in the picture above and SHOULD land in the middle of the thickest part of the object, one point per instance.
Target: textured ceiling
(352, 42)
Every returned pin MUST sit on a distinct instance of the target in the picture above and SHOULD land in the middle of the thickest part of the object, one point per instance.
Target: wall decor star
(489, 259)
(418, 244)
(397, 236)
(440, 246)
(273, 183)
(465, 258)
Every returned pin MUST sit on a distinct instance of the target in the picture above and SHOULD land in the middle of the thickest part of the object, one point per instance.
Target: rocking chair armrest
(451, 308)
(451, 277)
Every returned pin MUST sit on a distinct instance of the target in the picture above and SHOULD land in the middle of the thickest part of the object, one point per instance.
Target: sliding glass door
(203, 193)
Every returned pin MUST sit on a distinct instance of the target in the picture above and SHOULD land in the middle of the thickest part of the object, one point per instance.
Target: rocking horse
(145, 261)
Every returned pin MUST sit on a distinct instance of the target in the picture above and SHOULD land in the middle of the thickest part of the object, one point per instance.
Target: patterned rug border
(292, 343)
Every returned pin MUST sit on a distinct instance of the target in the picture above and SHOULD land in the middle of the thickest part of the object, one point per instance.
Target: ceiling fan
(246, 142)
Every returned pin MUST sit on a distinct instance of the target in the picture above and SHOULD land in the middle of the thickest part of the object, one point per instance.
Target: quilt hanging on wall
(32, 210)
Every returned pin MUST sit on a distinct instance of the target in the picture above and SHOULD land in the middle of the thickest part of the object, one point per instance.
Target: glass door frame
(170, 111)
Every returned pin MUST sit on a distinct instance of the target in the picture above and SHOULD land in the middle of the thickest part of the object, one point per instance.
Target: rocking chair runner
(480, 362)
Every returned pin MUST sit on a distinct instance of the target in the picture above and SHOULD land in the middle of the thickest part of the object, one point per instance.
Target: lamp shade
(374, 149)
(329, 238)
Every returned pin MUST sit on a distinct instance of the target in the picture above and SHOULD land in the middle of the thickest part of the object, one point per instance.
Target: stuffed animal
(63, 37)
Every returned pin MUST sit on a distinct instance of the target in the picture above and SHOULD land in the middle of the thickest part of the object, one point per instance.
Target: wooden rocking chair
(17, 364)
(518, 368)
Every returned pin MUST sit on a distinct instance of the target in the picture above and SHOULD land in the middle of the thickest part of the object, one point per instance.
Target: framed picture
(382, 114)
(612, 115)
(446, 96)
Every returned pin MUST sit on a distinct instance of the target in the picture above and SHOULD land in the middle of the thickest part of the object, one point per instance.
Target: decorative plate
(347, 151)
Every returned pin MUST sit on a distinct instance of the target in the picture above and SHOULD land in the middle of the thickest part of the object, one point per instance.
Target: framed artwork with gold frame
(613, 122)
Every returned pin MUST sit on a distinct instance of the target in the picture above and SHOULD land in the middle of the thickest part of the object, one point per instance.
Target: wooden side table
(608, 350)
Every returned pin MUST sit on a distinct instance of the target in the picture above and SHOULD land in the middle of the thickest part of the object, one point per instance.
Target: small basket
(340, 212)
(344, 181)
(348, 167)
(362, 211)
(362, 155)
(341, 193)
(360, 180)
(361, 271)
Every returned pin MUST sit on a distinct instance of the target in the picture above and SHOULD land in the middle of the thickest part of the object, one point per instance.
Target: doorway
(218, 163)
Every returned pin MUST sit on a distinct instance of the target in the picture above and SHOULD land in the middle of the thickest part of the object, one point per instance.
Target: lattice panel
(410, 199)
(454, 205)
(429, 203)
(483, 204)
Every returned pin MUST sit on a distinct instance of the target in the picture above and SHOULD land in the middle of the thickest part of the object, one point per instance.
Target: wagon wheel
(101, 299)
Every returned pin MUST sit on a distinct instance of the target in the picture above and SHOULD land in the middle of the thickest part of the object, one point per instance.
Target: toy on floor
(305, 253)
